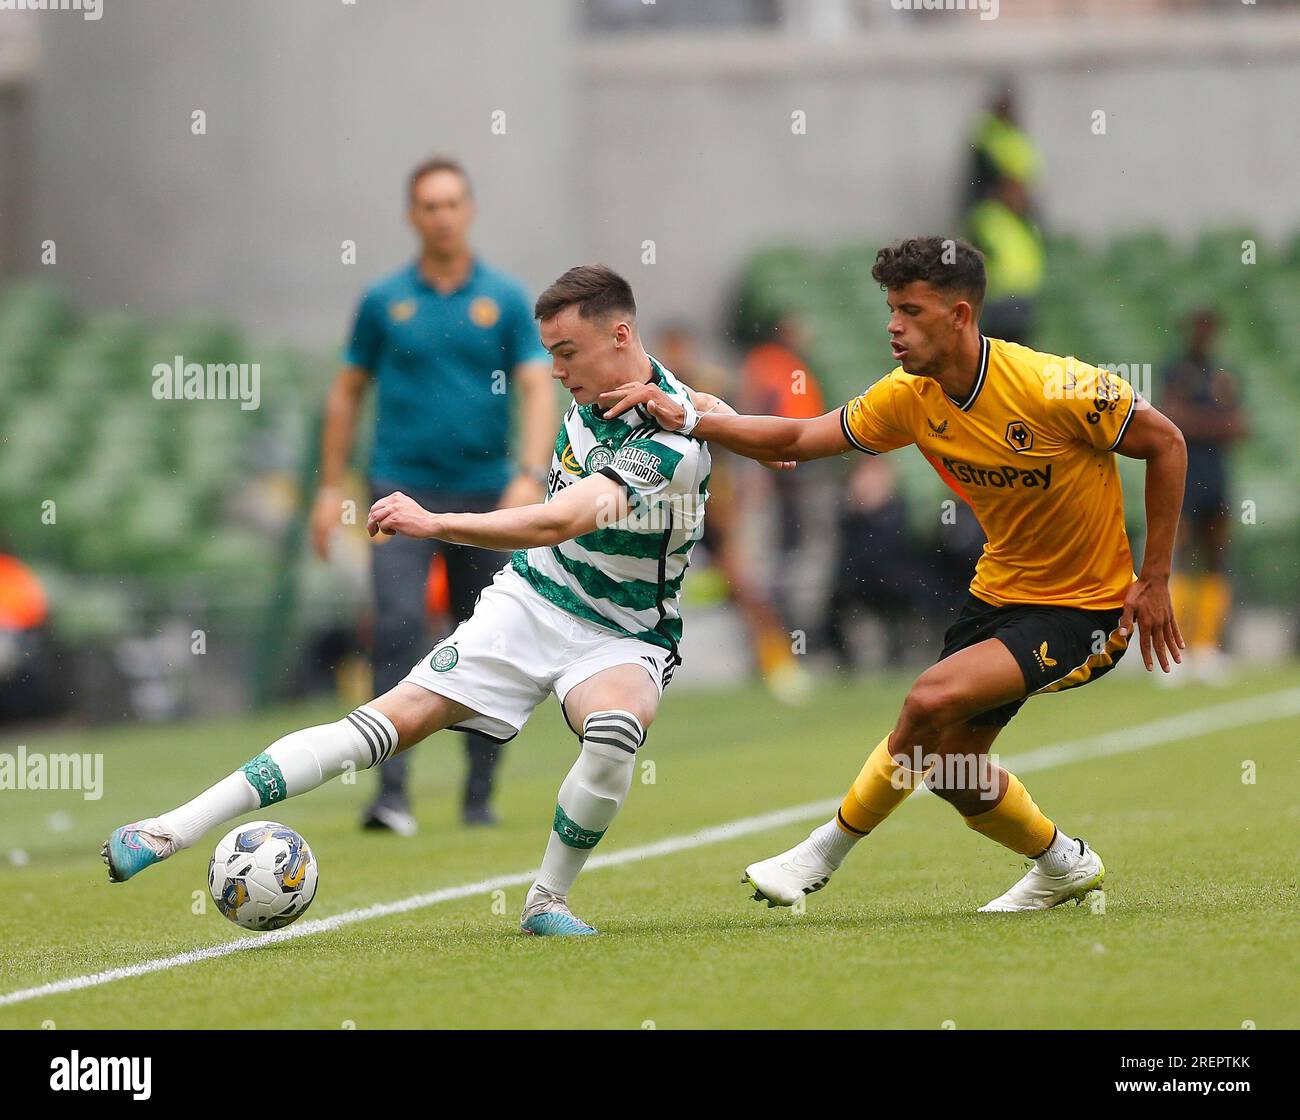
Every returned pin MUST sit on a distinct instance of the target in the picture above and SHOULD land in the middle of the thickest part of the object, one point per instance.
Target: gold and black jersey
(1031, 451)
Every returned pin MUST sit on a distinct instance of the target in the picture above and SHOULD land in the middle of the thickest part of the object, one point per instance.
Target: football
(262, 875)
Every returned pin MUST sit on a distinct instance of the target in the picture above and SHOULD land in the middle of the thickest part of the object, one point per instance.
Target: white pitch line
(714, 835)
(1203, 721)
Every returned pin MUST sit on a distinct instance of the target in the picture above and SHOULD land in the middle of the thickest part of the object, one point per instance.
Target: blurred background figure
(775, 380)
(449, 343)
(890, 569)
(1000, 149)
(774, 377)
(27, 669)
(878, 566)
(774, 658)
(1001, 221)
(1204, 400)
(952, 550)
(1003, 229)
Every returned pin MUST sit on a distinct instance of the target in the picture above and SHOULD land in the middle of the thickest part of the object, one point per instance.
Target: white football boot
(784, 879)
(1040, 891)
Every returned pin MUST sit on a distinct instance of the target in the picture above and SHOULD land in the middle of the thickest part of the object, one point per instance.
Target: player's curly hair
(946, 263)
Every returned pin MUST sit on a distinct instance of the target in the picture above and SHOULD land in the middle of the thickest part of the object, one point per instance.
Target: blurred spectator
(878, 566)
(1002, 228)
(26, 661)
(1204, 401)
(909, 584)
(678, 350)
(954, 552)
(775, 381)
(1000, 150)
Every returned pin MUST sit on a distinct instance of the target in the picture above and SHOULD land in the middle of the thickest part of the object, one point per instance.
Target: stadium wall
(696, 150)
(316, 112)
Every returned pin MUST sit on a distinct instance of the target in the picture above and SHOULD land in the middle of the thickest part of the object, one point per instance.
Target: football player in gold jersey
(1029, 441)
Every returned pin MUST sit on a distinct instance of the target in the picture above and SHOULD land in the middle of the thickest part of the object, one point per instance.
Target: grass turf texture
(1199, 927)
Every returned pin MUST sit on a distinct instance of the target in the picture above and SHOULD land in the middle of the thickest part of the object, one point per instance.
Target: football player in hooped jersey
(587, 608)
(1028, 440)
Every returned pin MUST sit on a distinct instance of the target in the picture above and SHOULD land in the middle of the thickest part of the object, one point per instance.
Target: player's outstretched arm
(1152, 436)
(765, 438)
(585, 506)
(707, 404)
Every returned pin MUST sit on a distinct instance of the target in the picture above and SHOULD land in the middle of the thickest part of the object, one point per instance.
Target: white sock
(591, 796)
(1061, 854)
(831, 843)
(299, 762)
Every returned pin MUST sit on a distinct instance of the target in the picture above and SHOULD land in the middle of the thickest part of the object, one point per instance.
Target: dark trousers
(399, 571)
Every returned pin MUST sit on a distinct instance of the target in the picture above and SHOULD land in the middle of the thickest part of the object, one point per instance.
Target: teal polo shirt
(443, 417)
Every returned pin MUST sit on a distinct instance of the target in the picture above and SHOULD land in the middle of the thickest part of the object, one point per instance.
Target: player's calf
(589, 800)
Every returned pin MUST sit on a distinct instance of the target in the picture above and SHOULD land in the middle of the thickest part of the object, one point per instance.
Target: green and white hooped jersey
(626, 577)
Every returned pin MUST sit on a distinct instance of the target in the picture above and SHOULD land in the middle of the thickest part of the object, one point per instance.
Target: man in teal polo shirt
(450, 346)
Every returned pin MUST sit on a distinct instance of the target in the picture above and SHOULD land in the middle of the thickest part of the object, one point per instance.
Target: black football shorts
(1056, 647)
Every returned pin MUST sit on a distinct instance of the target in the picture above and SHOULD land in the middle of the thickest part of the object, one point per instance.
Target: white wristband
(691, 418)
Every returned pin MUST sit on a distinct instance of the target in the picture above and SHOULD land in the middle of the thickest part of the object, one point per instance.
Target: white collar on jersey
(965, 405)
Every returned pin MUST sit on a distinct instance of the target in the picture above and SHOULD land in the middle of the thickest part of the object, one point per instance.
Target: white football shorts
(517, 648)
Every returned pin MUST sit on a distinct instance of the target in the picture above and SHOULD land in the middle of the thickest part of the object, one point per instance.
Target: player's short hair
(597, 290)
(945, 263)
(435, 164)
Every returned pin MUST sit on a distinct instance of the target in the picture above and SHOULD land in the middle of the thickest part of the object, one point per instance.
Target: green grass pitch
(1199, 926)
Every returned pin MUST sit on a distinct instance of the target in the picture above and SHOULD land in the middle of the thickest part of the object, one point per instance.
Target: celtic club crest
(444, 659)
(599, 458)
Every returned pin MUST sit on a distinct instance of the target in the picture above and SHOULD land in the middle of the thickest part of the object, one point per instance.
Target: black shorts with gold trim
(1056, 647)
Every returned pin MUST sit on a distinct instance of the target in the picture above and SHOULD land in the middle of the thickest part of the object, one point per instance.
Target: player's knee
(932, 704)
(416, 713)
(619, 732)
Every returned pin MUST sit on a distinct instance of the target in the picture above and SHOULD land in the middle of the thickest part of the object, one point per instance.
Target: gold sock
(774, 651)
(878, 790)
(1184, 591)
(1015, 822)
(1212, 605)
